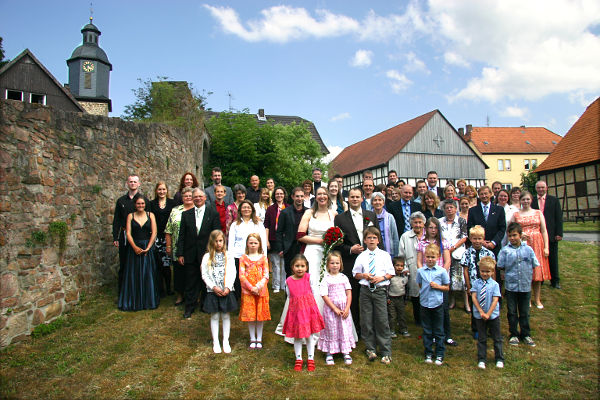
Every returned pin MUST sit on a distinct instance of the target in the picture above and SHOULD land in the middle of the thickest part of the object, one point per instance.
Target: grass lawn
(587, 226)
(100, 352)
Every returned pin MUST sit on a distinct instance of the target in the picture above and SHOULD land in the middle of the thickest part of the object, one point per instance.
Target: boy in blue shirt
(485, 293)
(518, 261)
(433, 281)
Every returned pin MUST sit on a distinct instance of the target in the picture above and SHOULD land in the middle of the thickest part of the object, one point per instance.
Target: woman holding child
(536, 235)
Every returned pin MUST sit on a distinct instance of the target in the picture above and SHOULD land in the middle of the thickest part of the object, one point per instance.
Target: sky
(354, 68)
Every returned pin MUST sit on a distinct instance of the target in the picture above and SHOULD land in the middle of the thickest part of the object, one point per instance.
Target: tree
(171, 102)
(242, 147)
(2, 61)
(528, 180)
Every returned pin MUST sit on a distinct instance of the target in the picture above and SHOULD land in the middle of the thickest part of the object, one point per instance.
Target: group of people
(225, 244)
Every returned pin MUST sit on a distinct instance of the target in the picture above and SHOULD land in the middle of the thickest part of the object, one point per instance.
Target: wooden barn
(413, 148)
(26, 79)
(572, 170)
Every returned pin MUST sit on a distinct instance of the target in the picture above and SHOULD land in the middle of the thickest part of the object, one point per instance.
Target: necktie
(477, 263)
(482, 294)
(198, 221)
(406, 211)
(485, 211)
(372, 263)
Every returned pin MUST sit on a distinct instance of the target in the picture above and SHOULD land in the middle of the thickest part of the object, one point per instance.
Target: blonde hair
(257, 237)
(210, 247)
(267, 203)
(487, 262)
(477, 230)
(432, 249)
(337, 254)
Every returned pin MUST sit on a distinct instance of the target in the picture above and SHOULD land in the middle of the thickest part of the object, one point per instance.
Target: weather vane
(91, 12)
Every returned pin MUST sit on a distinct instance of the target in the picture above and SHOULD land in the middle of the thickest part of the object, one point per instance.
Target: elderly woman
(407, 249)
(386, 224)
(171, 237)
(335, 197)
(430, 205)
(454, 231)
(188, 180)
(239, 192)
(308, 195)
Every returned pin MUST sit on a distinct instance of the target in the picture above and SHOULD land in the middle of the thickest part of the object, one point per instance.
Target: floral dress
(337, 337)
(452, 233)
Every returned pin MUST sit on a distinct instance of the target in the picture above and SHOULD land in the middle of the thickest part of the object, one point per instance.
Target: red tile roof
(527, 140)
(379, 149)
(580, 145)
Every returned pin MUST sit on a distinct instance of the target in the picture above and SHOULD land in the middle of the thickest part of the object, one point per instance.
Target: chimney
(261, 114)
(461, 131)
(469, 129)
(467, 134)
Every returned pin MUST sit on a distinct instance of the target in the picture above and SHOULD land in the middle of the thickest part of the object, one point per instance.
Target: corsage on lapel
(367, 221)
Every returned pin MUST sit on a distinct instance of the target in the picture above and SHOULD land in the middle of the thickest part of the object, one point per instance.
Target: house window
(529, 164)
(38, 98)
(500, 165)
(507, 186)
(507, 165)
(14, 95)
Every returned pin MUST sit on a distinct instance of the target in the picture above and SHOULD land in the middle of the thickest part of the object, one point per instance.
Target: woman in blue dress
(139, 291)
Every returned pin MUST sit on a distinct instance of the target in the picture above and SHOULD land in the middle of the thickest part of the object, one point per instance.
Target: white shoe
(226, 347)
(499, 364)
(216, 347)
(275, 290)
(481, 365)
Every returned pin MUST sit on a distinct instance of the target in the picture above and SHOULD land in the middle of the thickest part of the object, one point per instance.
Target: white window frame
(507, 165)
(500, 164)
(37, 94)
(16, 91)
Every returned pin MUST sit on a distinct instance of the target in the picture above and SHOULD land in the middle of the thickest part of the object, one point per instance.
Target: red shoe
(310, 365)
(298, 365)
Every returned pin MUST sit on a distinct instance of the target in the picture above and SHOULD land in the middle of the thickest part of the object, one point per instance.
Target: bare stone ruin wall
(68, 169)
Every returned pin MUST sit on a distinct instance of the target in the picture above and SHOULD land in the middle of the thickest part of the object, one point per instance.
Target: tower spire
(91, 12)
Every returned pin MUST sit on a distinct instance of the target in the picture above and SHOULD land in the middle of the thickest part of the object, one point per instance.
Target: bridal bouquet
(331, 238)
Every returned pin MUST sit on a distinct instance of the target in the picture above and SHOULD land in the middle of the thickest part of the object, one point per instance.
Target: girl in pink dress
(337, 337)
(534, 232)
(303, 317)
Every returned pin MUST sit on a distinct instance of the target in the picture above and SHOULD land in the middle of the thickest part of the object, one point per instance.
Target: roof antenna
(91, 12)
(230, 98)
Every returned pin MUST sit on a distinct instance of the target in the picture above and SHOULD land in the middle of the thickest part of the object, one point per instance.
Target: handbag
(458, 252)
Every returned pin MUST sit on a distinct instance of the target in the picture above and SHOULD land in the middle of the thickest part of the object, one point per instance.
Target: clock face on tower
(88, 66)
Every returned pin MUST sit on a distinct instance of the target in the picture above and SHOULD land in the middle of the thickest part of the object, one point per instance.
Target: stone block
(3, 320)
(71, 295)
(53, 310)
(17, 324)
(40, 114)
(59, 295)
(21, 134)
(38, 317)
(45, 301)
(9, 302)
(9, 285)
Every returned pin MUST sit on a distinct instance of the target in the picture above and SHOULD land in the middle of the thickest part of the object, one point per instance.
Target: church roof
(380, 148)
(28, 53)
(581, 145)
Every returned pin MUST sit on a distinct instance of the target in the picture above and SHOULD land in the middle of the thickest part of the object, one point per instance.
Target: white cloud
(453, 58)
(362, 58)
(528, 49)
(333, 153)
(284, 23)
(398, 81)
(339, 117)
(414, 64)
(581, 98)
(572, 119)
(514, 112)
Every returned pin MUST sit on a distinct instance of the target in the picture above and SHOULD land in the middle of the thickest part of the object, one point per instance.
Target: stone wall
(67, 169)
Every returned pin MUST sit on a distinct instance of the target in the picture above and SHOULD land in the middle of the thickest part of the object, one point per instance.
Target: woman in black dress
(161, 207)
(138, 291)
(430, 205)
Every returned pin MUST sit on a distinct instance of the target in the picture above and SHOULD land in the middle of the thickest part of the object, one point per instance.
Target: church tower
(89, 73)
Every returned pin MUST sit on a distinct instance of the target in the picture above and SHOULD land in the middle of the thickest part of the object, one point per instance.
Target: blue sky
(354, 68)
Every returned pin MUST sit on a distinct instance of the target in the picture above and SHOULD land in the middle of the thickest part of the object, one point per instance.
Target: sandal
(347, 359)
(298, 365)
(258, 345)
(310, 365)
(329, 360)
(252, 345)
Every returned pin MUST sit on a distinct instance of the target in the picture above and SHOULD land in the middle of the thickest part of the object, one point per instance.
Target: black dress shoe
(187, 315)
(556, 286)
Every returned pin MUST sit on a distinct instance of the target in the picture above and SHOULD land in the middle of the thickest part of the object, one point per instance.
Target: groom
(352, 223)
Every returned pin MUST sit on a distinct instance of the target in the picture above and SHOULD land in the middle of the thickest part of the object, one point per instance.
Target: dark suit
(287, 228)
(346, 224)
(439, 192)
(495, 226)
(395, 208)
(554, 226)
(192, 246)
